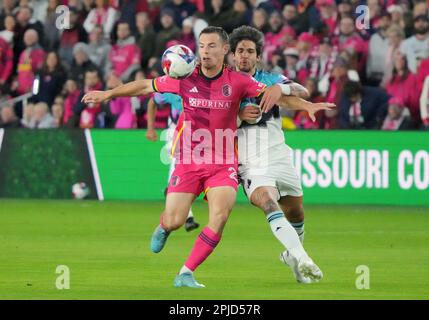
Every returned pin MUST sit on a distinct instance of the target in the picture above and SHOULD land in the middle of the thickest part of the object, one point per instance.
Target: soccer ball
(80, 190)
(178, 61)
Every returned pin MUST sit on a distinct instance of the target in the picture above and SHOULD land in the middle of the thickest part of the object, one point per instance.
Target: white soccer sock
(299, 228)
(190, 214)
(185, 269)
(285, 233)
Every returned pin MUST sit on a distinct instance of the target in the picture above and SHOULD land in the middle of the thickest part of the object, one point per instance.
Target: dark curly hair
(247, 33)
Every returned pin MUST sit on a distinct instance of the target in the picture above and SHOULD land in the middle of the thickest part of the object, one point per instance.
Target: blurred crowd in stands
(372, 61)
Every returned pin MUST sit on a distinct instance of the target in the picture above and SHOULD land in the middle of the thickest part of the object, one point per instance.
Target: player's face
(212, 50)
(245, 56)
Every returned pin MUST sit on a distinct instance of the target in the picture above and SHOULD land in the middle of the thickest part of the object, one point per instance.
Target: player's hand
(271, 95)
(96, 97)
(312, 108)
(249, 113)
(151, 135)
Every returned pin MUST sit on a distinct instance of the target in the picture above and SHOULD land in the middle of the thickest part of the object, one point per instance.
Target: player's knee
(173, 225)
(265, 200)
(295, 213)
(176, 225)
(172, 221)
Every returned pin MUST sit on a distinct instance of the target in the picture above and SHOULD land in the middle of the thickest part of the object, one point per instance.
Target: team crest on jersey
(175, 181)
(226, 90)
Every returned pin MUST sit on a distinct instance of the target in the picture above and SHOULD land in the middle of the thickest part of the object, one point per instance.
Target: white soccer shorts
(279, 174)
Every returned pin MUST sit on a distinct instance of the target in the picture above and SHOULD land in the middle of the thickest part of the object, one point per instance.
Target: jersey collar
(213, 78)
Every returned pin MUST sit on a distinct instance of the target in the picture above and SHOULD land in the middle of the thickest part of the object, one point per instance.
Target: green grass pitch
(106, 248)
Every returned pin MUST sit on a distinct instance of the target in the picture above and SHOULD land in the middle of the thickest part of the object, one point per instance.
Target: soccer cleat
(187, 280)
(191, 224)
(159, 238)
(292, 262)
(309, 269)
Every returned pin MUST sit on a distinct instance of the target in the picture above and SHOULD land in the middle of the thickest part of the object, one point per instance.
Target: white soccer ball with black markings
(178, 62)
(80, 190)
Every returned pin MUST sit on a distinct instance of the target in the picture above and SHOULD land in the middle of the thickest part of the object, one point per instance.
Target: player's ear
(226, 48)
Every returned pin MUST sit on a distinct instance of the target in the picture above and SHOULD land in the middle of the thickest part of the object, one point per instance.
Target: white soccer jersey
(264, 159)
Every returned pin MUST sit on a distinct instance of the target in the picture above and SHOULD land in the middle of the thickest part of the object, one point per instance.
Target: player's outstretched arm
(296, 103)
(131, 89)
(298, 90)
(274, 92)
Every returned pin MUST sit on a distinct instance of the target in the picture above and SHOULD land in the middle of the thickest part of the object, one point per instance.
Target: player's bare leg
(294, 212)
(305, 270)
(220, 200)
(176, 210)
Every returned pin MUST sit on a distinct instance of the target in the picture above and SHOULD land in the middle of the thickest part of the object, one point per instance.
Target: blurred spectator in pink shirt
(328, 14)
(121, 107)
(6, 62)
(403, 85)
(88, 113)
(30, 60)
(278, 37)
(335, 89)
(352, 42)
(72, 97)
(124, 56)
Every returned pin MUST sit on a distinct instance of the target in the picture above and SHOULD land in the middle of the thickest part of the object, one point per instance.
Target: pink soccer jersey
(210, 105)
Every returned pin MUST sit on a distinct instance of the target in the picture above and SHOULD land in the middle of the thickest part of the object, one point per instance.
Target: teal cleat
(159, 238)
(187, 280)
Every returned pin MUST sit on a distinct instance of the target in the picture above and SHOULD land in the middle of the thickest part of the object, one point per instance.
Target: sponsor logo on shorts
(233, 174)
(175, 181)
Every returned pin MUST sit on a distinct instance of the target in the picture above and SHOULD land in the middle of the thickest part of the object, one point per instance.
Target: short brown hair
(220, 31)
